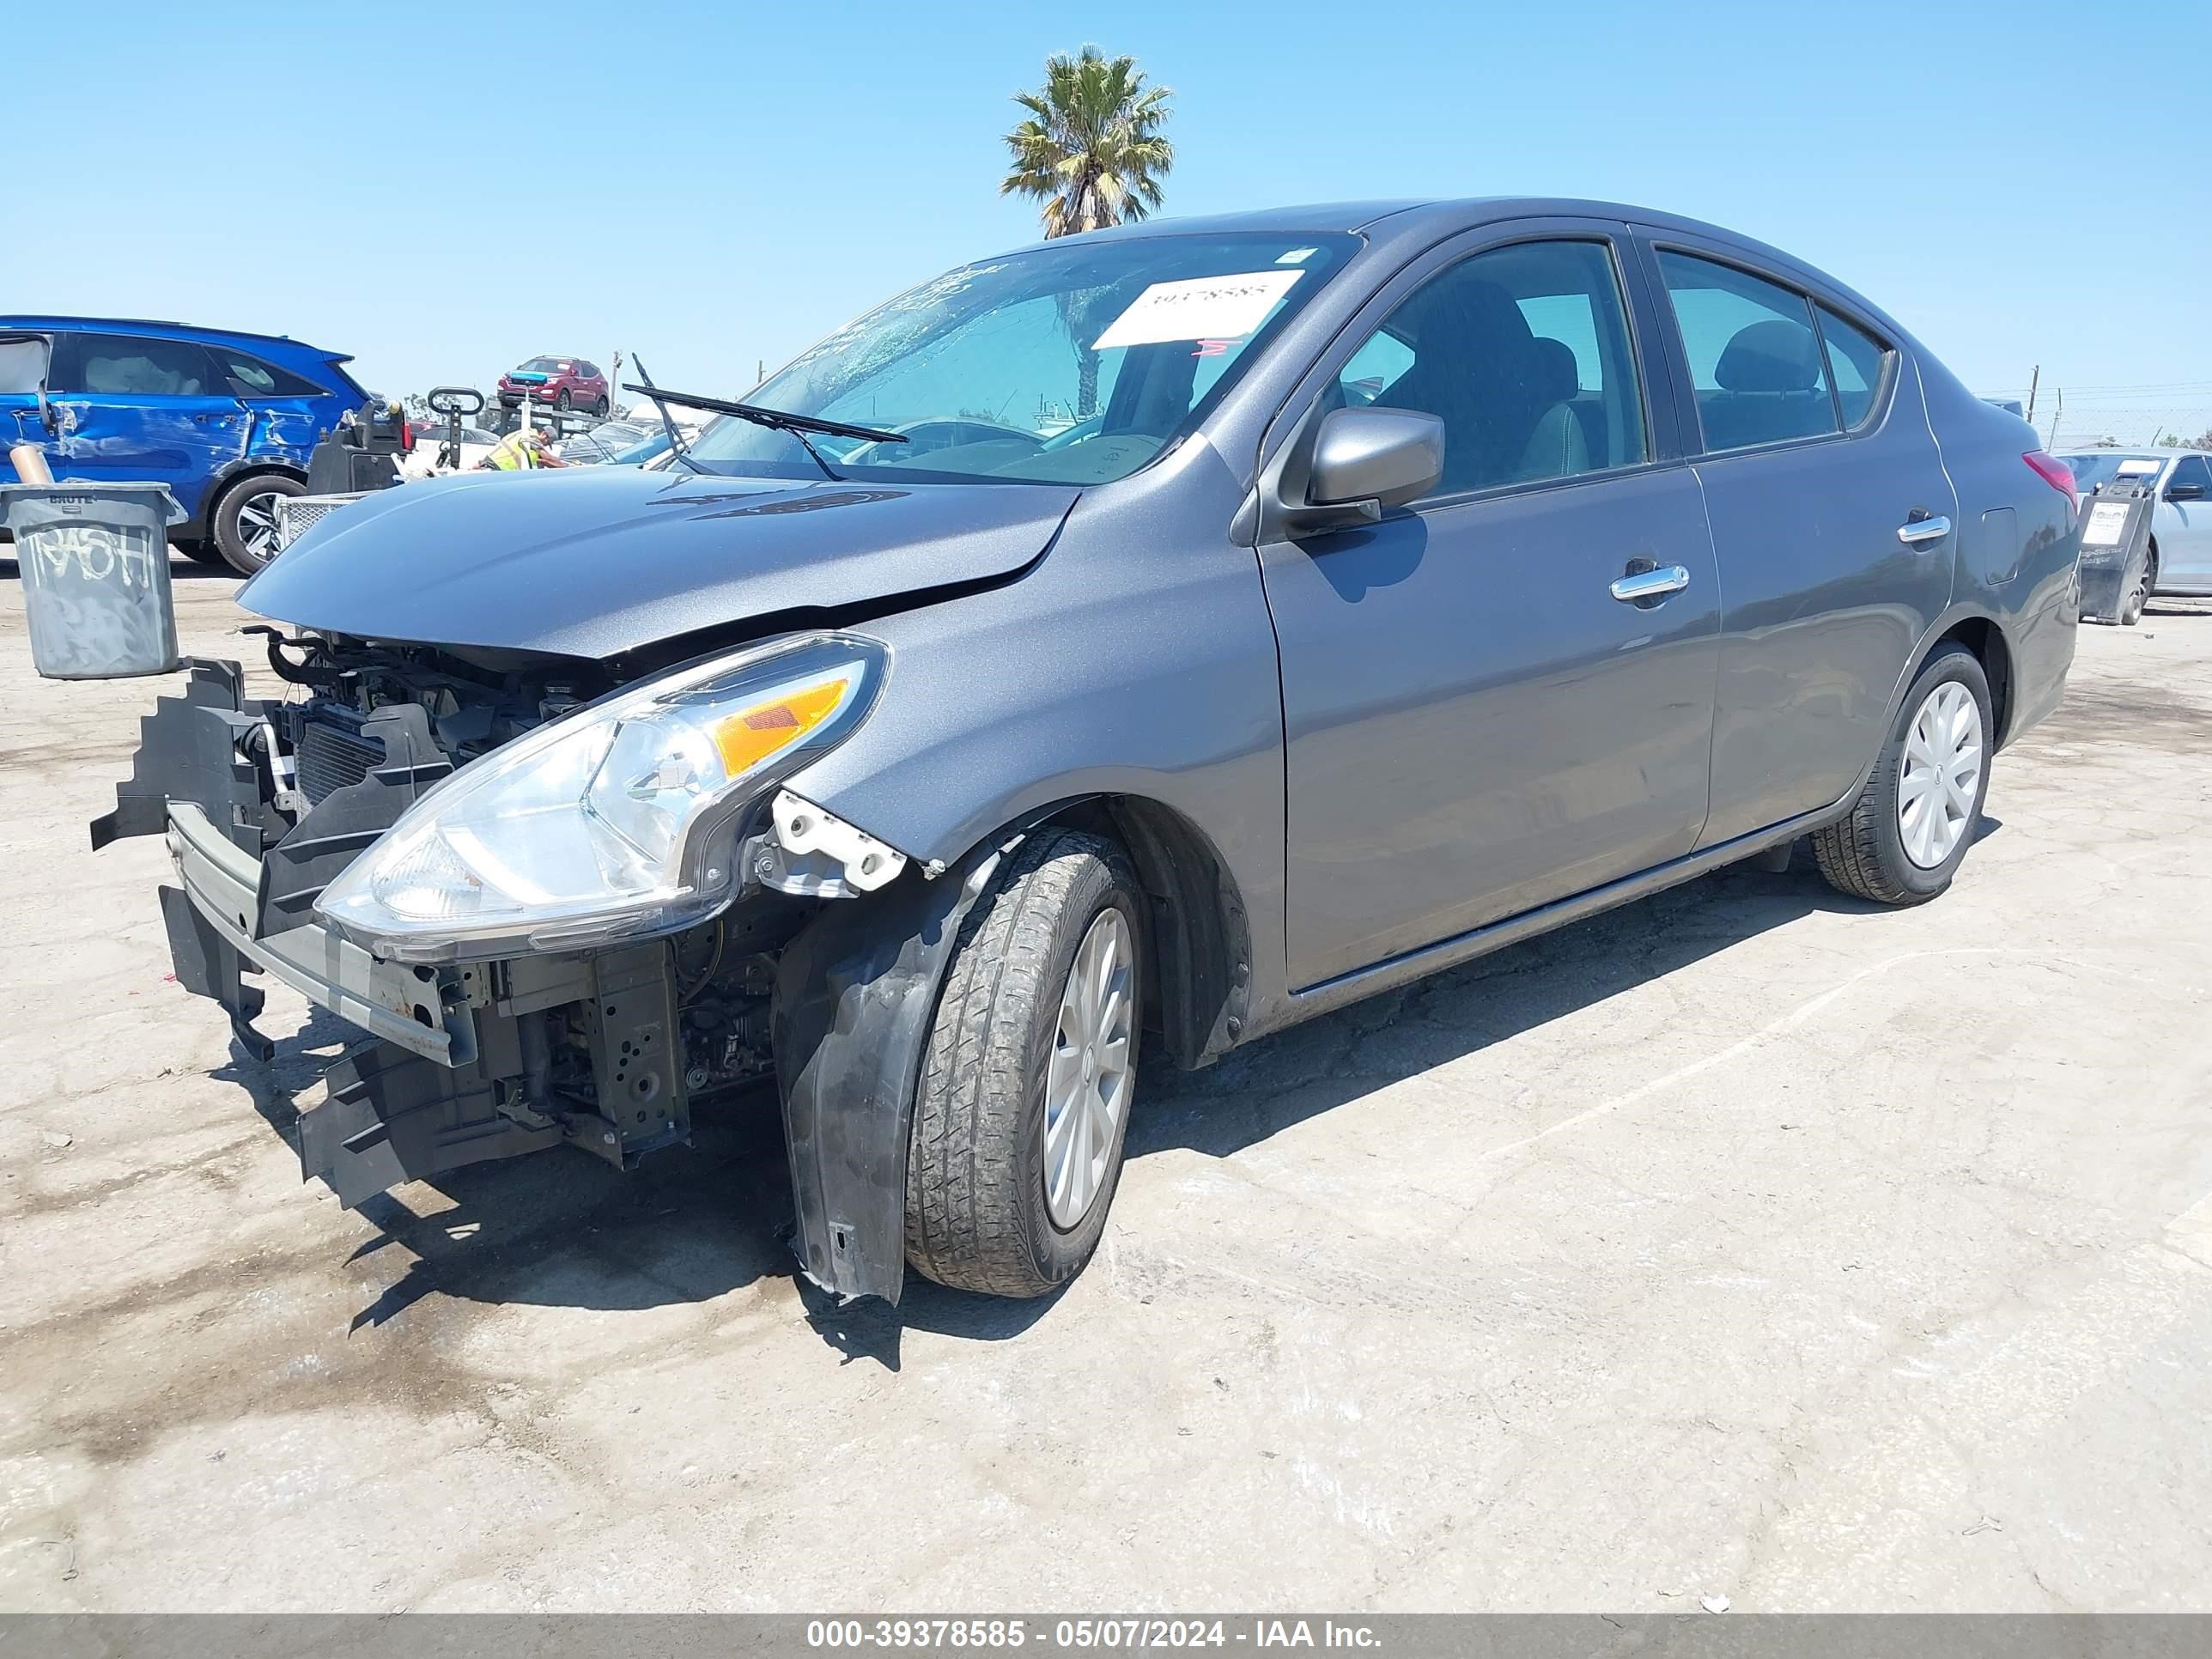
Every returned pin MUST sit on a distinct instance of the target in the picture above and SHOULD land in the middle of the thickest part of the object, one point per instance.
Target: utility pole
(2031, 381)
(2057, 413)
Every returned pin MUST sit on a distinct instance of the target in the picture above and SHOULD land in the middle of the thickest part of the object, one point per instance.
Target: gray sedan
(1323, 598)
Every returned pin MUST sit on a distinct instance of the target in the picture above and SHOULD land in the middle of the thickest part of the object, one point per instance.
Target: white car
(2180, 563)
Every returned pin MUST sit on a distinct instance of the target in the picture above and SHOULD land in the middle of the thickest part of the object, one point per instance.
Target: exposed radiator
(332, 756)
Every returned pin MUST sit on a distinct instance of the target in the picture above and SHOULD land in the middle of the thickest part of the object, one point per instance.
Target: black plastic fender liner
(856, 994)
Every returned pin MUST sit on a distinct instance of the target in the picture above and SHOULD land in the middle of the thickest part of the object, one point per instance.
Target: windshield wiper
(775, 420)
(675, 443)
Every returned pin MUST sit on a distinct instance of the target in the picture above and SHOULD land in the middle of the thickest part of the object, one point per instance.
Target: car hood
(596, 562)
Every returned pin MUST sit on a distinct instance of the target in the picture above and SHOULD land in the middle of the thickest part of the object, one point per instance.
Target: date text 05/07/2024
(1120, 1635)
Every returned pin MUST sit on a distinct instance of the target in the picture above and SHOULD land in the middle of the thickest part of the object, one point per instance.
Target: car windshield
(1073, 363)
(2093, 471)
(541, 366)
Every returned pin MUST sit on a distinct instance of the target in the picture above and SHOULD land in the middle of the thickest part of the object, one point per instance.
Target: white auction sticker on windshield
(1201, 308)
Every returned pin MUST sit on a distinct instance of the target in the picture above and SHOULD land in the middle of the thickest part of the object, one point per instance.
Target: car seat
(1771, 388)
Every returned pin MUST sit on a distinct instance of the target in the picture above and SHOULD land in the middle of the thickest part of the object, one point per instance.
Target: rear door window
(1857, 365)
(132, 366)
(1755, 359)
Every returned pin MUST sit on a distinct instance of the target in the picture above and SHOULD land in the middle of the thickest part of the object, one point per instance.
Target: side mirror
(1360, 461)
(2184, 492)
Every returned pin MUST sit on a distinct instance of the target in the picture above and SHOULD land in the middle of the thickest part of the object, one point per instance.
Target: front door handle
(1644, 587)
(1931, 527)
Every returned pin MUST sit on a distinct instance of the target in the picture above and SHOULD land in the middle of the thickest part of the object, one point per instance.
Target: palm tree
(1091, 150)
(1092, 153)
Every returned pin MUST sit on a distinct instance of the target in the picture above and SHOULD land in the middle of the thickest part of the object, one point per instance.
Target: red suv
(563, 382)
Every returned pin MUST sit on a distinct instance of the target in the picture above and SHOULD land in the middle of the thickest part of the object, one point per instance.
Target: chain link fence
(2073, 416)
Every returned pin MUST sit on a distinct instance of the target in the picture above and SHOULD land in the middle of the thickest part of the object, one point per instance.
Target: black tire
(601, 408)
(1863, 853)
(976, 1214)
(561, 400)
(231, 539)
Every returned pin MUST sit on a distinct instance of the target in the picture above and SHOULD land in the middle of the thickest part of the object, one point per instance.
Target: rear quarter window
(1857, 365)
(256, 377)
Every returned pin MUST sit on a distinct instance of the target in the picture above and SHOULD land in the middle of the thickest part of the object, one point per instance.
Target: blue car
(225, 419)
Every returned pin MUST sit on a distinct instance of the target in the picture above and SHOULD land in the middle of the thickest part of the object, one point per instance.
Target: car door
(137, 407)
(2184, 527)
(1474, 724)
(23, 383)
(282, 410)
(1833, 523)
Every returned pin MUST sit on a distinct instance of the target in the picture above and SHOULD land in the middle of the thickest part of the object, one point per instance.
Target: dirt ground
(1745, 1241)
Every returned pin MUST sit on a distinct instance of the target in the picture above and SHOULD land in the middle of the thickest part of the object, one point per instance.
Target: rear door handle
(1644, 585)
(1913, 531)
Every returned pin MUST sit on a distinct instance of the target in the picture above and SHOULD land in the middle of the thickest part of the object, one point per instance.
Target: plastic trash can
(95, 564)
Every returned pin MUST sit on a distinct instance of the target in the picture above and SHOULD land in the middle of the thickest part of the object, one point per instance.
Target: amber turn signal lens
(751, 736)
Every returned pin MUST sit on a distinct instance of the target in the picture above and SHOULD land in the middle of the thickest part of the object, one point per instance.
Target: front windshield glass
(1073, 363)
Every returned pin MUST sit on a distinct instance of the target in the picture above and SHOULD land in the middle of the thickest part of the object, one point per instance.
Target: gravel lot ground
(1747, 1241)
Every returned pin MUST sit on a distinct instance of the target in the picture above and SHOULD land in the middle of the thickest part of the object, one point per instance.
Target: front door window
(1523, 353)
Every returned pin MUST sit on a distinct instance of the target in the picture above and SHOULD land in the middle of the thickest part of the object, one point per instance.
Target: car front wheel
(1910, 828)
(1023, 1100)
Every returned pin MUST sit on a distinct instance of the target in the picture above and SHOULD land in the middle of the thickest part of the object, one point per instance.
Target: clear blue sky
(772, 170)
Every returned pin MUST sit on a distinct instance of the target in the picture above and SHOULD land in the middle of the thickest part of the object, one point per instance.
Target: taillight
(2053, 471)
(407, 437)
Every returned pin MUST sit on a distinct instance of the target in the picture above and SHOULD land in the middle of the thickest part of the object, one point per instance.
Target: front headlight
(613, 822)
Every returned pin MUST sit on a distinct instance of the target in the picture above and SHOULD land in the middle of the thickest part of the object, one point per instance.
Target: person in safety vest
(524, 447)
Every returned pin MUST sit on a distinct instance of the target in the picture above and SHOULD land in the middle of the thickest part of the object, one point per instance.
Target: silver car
(2180, 559)
(1323, 597)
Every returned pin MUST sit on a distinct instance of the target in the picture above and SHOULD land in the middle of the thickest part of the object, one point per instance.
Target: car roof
(156, 325)
(1451, 212)
(1419, 222)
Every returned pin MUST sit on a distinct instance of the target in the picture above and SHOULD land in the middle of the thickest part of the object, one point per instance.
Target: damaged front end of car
(559, 910)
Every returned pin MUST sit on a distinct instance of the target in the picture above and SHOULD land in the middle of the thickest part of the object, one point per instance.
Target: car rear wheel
(245, 519)
(1910, 828)
(1023, 1102)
